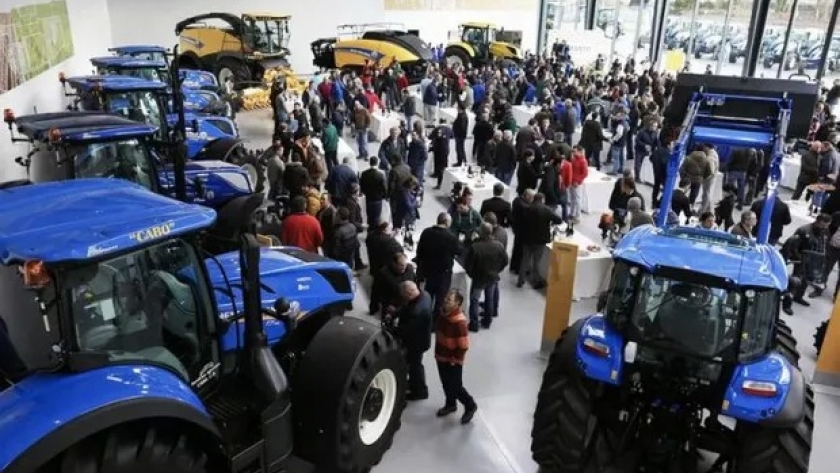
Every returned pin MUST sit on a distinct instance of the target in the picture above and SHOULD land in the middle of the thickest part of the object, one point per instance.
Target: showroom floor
(504, 369)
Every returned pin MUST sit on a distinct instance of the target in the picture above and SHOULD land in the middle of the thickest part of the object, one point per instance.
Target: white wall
(91, 31)
(312, 19)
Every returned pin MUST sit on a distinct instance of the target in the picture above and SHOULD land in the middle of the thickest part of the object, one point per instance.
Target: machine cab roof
(478, 24)
(116, 83)
(132, 66)
(739, 261)
(87, 218)
(267, 16)
(80, 127)
(130, 50)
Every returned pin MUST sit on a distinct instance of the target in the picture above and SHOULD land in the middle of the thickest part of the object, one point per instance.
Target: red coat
(325, 89)
(402, 82)
(566, 173)
(580, 169)
(373, 101)
(303, 231)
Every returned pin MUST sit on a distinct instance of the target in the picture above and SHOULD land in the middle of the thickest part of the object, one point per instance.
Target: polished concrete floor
(504, 369)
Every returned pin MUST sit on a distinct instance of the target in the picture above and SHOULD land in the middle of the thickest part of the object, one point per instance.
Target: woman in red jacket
(579, 170)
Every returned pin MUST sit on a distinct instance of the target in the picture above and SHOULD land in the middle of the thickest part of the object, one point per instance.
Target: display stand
(558, 294)
(827, 371)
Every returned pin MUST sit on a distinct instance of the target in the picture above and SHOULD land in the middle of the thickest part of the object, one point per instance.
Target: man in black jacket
(440, 137)
(482, 134)
(460, 127)
(518, 224)
(498, 205)
(778, 219)
(436, 252)
(373, 187)
(414, 328)
(538, 221)
(505, 158)
(659, 163)
(680, 202)
(386, 285)
(345, 245)
(485, 260)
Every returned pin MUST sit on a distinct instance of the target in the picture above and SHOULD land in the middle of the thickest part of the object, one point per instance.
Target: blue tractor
(687, 354)
(76, 145)
(207, 137)
(124, 348)
(197, 98)
(192, 79)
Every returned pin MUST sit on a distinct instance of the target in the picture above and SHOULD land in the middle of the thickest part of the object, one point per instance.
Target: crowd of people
(615, 109)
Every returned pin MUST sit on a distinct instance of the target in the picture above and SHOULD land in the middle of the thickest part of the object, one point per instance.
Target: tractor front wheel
(819, 336)
(349, 394)
(774, 450)
(235, 69)
(135, 449)
(566, 436)
(457, 57)
(786, 342)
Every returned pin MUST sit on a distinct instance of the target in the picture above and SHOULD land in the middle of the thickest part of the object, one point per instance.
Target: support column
(827, 370)
(590, 14)
(657, 31)
(726, 38)
(787, 37)
(761, 8)
(541, 33)
(562, 265)
(832, 23)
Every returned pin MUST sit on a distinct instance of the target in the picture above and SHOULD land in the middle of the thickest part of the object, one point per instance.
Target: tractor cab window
(149, 56)
(29, 330)
(762, 308)
(142, 106)
(475, 36)
(124, 159)
(142, 307)
(695, 319)
(268, 36)
(147, 73)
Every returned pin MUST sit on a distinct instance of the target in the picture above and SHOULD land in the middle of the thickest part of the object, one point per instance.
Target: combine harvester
(168, 361)
(688, 353)
(379, 44)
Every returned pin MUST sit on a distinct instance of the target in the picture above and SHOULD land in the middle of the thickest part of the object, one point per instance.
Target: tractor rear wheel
(773, 450)
(786, 342)
(251, 165)
(348, 396)
(235, 69)
(135, 449)
(566, 432)
(819, 336)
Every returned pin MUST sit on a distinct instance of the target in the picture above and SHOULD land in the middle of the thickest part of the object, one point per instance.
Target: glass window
(124, 159)
(141, 307)
(621, 295)
(692, 318)
(267, 36)
(760, 315)
(148, 73)
(150, 56)
(142, 106)
(28, 326)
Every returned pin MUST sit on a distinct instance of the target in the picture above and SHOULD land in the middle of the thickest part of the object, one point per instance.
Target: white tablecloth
(524, 113)
(481, 190)
(791, 165)
(449, 114)
(597, 189)
(382, 122)
(344, 151)
(592, 267)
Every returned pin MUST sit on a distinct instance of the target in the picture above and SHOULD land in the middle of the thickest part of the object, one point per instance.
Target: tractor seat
(178, 307)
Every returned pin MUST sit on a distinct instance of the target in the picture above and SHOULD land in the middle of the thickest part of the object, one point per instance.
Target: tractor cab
(143, 52)
(132, 67)
(266, 34)
(481, 43)
(480, 36)
(76, 145)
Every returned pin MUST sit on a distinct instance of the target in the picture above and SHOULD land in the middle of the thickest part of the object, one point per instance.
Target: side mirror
(195, 125)
(200, 185)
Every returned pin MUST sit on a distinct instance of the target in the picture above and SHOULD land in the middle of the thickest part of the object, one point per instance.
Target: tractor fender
(235, 215)
(607, 365)
(221, 149)
(460, 46)
(46, 414)
(784, 409)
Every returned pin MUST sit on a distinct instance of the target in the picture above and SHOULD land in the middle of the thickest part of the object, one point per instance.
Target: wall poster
(33, 38)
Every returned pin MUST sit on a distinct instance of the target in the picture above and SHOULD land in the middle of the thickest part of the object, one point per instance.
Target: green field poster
(33, 38)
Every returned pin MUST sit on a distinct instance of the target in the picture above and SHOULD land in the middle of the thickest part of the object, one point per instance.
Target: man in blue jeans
(485, 260)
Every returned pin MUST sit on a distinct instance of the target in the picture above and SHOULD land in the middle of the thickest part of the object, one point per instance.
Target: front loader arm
(774, 176)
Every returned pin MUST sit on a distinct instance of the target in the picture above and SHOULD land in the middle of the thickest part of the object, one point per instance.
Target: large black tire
(136, 449)
(232, 151)
(458, 54)
(564, 421)
(769, 450)
(786, 343)
(819, 336)
(236, 68)
(333, 392)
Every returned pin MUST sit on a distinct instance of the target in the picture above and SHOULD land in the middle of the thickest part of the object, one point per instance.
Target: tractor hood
(198, 80)
(203, 130)
(307, 278)
(209, 183)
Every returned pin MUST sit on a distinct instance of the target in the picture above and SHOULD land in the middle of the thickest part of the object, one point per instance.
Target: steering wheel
(692, 295)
